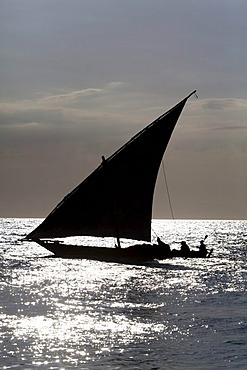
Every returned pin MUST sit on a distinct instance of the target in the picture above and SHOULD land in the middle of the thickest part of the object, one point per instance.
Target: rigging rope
(154, 232)
(167, 189)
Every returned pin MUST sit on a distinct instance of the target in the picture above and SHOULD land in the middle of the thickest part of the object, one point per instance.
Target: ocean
(80, 314)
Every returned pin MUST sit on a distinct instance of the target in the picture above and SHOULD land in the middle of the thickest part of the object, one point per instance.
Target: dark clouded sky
(79, 78)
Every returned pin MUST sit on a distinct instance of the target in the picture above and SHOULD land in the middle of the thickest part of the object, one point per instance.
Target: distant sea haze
(81, 314)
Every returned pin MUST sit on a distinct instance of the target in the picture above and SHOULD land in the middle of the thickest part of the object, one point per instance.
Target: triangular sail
(116, 199)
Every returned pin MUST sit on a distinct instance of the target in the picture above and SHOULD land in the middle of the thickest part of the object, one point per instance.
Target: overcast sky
(79, 78)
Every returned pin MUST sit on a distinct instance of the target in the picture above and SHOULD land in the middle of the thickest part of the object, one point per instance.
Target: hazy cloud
(222, 104)
(59, 108)
(68, 97)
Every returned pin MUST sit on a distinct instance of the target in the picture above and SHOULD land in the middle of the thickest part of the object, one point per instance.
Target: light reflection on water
(59, 313)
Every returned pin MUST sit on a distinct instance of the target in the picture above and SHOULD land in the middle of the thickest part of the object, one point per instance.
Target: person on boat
(163, 249)
(202, 249)
(185, 249)
(162, 244)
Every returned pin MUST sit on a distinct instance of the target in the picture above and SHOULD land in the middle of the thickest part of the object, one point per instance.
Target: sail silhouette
(116, 199)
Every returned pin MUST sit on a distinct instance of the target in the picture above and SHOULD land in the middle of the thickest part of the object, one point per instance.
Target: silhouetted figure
(162, 244)
(185, 250)
(163, 249)
(202, 249)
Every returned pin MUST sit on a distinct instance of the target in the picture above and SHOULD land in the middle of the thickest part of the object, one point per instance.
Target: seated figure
(185, 250)
(163, 249)
(202, 249)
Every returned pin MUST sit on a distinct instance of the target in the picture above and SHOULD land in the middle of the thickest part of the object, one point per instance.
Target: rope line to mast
(167, 190)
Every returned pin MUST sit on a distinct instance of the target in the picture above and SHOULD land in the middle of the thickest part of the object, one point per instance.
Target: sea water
(80, 314)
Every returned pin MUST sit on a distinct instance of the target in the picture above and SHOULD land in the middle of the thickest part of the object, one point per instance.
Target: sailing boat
(115, 200)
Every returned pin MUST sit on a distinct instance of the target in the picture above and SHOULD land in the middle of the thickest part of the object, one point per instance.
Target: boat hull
(137, 253)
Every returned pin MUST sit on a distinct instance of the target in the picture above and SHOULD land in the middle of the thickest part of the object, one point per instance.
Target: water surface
(66, 314)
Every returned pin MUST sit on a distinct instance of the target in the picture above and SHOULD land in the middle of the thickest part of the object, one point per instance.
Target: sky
(79, 78)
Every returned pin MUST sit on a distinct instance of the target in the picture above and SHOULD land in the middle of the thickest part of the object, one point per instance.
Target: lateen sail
(116, 199)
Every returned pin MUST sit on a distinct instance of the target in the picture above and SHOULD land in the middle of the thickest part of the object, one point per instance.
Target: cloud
(114, 113)
(70, 107)
(217, 104)
(69, 96)
(224, 104)
(232, 128)
(215, 114)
